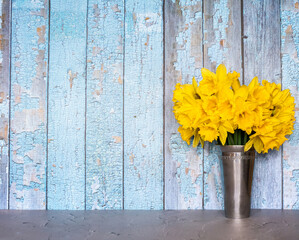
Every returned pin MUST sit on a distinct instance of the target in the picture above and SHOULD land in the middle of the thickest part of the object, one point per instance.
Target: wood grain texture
(28, 104)
(143, 101)
(262, 59)
(104, 118)
(290, 73)
(222, 44)
(4, 100)
(66, 130)
(183, 60)
(106, 81)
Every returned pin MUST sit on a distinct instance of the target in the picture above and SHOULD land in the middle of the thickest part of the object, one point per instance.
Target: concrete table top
(172, 225)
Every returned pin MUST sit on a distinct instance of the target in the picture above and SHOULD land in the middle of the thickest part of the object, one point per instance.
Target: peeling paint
(117, 139)
(115, 8)
(131, 157)
(99, 162)
(188, 173)
(143, 97)
(4, 100)
(96, 51)
(72, 77)
(28, 120)
(27, 197)
(290, 73)
(216, 50)
(28, 106)
(213, 182)
(104, 105)
(120, 81)
(183, 43)
(66, 113)
(95, 186)
(4, 128)
(42, 12)
(41, 31)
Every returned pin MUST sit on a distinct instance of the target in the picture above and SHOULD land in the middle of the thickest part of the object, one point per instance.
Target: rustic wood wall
(86, 100)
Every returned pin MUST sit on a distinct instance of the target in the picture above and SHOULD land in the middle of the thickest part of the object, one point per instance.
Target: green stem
(235, 137)
(230, 139)
(239, 137)
(242, 137)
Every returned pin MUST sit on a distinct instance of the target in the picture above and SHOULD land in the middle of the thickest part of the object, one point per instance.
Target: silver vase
(237, 174)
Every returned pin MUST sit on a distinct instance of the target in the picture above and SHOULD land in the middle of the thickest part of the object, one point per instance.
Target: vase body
(237, 174)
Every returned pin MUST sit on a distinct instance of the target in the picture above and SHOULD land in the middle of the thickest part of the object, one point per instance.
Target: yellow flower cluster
(220, 104)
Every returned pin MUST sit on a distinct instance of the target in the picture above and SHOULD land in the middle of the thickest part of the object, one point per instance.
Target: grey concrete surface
(142, 225)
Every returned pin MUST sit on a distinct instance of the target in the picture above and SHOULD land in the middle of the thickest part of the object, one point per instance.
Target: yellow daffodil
(278, 121)
(186, 133)
(219, 105)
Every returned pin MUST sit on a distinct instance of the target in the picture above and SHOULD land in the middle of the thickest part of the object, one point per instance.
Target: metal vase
(237, 174)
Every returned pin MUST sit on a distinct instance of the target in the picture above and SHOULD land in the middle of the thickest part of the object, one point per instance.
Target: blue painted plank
(104, 118)
(28, 105)
(4, 99)
(66, 130)
(262, 59)
(143, 101)
(183, 60)
(222, 44)
(290, 73)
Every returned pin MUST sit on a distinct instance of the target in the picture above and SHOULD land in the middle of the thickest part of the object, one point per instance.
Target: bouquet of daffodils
(221, 109)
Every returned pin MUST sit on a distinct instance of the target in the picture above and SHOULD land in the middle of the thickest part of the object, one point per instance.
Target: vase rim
(232, 148)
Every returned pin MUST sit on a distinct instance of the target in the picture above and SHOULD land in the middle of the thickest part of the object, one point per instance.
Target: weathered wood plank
(104, 117)
(4, 100)
(143, 111)
(66, 130)
(222, 44)
(28, 104)
(290, 73)
(262, 59)
(183, 60)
